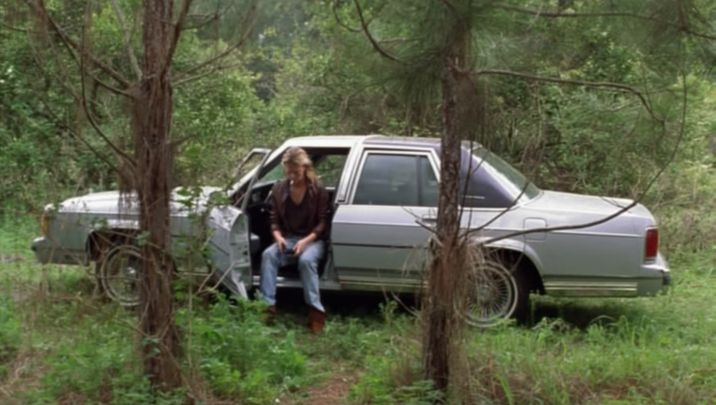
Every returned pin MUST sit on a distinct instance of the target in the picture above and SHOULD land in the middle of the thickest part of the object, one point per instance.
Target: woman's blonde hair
(296, 156)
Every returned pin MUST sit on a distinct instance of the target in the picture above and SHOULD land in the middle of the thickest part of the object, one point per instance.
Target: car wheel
(120, 272)
(497, 293)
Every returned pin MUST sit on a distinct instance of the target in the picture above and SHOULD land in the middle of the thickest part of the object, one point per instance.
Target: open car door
(229, 238)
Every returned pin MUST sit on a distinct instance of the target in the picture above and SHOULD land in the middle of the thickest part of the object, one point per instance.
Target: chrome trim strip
(618, 235)
(366, 245)
(586, 288)
(376, 223)
(382, 281)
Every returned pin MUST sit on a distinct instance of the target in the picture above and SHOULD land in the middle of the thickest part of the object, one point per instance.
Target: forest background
(306, 68)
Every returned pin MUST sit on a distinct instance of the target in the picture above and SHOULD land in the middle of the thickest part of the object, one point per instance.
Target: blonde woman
(298, 224)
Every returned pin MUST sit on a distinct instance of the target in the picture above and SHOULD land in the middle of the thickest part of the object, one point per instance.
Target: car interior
(328, 163)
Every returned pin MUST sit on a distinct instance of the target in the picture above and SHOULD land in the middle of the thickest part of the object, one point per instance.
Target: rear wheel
(496, 293)
(120, 272)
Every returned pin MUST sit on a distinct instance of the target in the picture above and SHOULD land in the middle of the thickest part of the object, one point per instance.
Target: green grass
(59, 342)
(630, 351)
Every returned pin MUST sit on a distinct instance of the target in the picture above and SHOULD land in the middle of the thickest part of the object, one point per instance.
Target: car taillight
(651, 244)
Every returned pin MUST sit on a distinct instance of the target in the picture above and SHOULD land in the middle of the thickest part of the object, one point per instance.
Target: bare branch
(178, 27)
(39, 8)
(608, 85)
(372, 40)
(682, 27)
(248, 21)
(83, 101)
(73, 49)
(334, 7)
(57, 121)
(622, 210)
(13, 28)
(127, 39)
(198, 76)
(207, 19)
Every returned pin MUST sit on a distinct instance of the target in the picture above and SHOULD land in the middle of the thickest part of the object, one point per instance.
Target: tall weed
(239, 355)
(10, 334)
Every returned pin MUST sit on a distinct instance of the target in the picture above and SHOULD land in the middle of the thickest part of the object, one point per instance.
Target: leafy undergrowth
(629, 351)
(60, 343)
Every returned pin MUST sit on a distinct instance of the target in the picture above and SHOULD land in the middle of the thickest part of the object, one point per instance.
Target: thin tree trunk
(152, 111)
(447, 281)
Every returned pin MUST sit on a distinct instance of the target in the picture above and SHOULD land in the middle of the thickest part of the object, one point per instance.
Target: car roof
(367, 140)
(330, 141)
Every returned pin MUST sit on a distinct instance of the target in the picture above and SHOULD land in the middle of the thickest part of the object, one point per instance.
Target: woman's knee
(308, 262)
(270, 253)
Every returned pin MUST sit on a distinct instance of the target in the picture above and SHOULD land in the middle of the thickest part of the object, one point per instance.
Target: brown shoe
(316, 320)
(270, 314)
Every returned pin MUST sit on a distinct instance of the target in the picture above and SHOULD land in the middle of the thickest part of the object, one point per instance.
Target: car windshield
(512, 181)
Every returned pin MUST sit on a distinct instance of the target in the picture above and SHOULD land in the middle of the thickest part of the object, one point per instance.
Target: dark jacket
(316, 203)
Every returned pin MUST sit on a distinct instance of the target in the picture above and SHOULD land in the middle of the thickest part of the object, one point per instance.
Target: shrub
(10, 333)
(239, 355)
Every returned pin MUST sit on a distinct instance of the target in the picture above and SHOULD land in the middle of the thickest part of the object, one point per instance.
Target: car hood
(111, 202)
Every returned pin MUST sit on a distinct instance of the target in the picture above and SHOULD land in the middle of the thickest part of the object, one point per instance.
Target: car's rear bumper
(654, 277)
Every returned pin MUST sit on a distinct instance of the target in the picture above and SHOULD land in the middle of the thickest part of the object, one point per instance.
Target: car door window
(428, 183)
(393, 179)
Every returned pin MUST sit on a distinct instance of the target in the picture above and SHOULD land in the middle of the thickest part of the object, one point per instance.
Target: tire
(120, 273)
(497, 293)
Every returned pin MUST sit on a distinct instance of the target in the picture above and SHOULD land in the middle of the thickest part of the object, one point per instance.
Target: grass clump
(10, 334)
(239, 355)
(93, 362)
(395, 376)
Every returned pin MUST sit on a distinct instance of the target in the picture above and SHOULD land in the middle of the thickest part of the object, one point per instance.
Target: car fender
(510, 244)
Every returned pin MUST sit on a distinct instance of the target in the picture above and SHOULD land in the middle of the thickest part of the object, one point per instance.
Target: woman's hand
(302, 244)
(280, 241)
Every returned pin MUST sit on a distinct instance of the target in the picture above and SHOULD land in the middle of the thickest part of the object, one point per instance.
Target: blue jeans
(272, 259)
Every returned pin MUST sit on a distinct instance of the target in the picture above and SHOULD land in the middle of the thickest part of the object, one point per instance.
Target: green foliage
(76, 349)
(580, 351)
(10, 334)
(239, 355)
(96, 363)
(309, 69)
(394, 377)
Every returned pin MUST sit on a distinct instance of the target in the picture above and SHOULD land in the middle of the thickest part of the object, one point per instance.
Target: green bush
(394, 378)
(96, 363)
(239, 355)
(10, 333)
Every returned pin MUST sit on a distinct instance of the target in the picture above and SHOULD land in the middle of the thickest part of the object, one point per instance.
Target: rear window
(488, 181)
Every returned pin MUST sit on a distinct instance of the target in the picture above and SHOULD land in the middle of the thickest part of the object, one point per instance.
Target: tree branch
(127, 39)
(198, 76)
(13, 28)
(83, 101)
(206, 20)
(249, 21)
(334, 8)
(558, 14)
(622, 210)
(39, 7)
(372, 40)
(73, 48)
(50, 115)
(609, 85)
(178, 27)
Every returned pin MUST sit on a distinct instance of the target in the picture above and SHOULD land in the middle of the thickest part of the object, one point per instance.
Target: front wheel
(120, 272)
(496, 293)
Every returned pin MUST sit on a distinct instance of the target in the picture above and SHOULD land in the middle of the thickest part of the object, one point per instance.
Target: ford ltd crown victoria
(384, 193)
